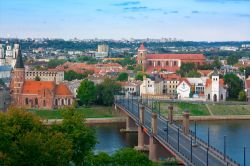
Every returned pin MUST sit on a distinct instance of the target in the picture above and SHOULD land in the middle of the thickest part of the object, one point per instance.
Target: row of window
(57, 102)
(158, 63)
(40, 74)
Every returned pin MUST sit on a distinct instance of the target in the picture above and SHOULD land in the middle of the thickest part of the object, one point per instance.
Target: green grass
(91, 112)
(218, 109)
(194, 109)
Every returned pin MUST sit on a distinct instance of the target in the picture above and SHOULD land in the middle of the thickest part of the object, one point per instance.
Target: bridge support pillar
(170, 113)
(152, 148)
(130, 125)
(186, 122)
(154, 123)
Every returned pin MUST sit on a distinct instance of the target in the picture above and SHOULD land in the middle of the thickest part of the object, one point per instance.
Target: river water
(237, 136)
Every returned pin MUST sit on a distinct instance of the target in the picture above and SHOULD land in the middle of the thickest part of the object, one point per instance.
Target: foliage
(193, 73)
(25, 141)
(232, 59)
(127, 61)
(247, 71)
(82, 137)
(139, 76)
(122, 76)
(37, 78)
(2, 82)
(130, 67)
(87, 59)
(86, 92)
(72, 75)
(55, 62)
(128, 156)
(234, 84)
(106, 91)
(186, 68)
(138, 68)
(242, 96)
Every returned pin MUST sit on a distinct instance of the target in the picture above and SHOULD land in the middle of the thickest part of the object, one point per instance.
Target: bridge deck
(201, 154)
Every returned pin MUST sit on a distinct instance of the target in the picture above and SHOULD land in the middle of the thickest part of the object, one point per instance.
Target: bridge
(178, 140)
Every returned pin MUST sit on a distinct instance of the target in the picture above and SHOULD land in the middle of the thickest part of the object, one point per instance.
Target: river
(237, 136)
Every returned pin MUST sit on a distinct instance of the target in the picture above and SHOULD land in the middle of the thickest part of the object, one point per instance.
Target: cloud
(223, 1)
(195, 12)
(243, 15)
(140, 8)
(128, 3)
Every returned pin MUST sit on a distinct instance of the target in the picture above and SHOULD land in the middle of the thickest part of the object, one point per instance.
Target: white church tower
(8, 54)
(215, 89)
(2, 56)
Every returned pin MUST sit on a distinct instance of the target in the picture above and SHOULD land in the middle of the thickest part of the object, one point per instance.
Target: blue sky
(198, 20)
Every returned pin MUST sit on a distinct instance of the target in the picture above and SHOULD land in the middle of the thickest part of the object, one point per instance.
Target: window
(26, 101)
(167, 63)
(69, 102)
(36, 101)
(175, 63)
(56, 102)
(44, 103)
(159, 63)
(150, 63)
(62, 100)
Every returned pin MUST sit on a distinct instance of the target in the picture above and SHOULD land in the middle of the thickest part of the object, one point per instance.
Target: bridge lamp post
(191, 150)
(225, 147)
(207, 156)
(244, 156)
(132, 103)
(179, 139)
(195, 130)
(208, 137)
(159, 107)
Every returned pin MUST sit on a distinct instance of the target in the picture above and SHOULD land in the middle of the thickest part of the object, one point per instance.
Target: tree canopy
(55, 62)
(72, 75)
(234, 84)
(122, 76)
(86, 92)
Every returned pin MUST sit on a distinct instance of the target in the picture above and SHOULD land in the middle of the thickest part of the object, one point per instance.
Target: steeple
(142, 48)
(19, 60)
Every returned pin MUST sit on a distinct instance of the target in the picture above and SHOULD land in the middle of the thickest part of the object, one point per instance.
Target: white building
(57, 76)
(151, 86)
(8, 55)
(215, 90)
(131, 87)
(184, 89)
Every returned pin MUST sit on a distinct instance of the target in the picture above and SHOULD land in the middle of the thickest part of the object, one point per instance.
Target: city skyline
(197, 20)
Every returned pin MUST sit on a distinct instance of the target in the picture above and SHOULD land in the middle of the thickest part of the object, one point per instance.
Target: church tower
(18, 79)
(2, 56)
(215, 91)
(142, 57)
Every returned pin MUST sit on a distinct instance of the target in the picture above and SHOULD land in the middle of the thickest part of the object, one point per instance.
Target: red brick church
(37, 94)
(168, 62)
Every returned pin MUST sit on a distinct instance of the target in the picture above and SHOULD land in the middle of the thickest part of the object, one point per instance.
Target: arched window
(208, 96)
(56, 102)
(221, 96)
(69, 102)
(26, 101)
(62, 100)
(36, 101)
(44, 103)
(167, 63)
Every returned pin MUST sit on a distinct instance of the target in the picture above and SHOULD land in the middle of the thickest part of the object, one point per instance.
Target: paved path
(211, 113)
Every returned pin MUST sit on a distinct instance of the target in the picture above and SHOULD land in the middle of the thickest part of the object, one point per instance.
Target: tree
(232, 59)
(242, 96)
(86, 92)
(139, 76)
(193, 73)
(24, 140)
(82, 137)
(128, 156)
(72, 75)
(186, 68)
(37, 78)
(122, 76)
(234, 84)
(106, 91)
(216, 63)
(55, 62)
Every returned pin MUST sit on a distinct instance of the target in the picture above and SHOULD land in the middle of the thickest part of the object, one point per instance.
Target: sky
(193, 20)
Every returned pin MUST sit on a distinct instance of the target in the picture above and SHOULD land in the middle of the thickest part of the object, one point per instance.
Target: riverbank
(89, 120)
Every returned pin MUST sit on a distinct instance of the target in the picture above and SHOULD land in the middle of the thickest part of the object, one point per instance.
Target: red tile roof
(33, 87)
(185, 80)
(150, 69)
(62, 90)
(205, 72)
(209, 82)
(177, 56)
(142, 47)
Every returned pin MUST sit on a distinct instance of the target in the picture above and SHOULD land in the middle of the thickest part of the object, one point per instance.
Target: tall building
(103, 48)
(167, 62)
(37, 94)
(8, 54)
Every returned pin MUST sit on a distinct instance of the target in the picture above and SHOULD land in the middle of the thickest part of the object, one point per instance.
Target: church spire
(19, 61)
